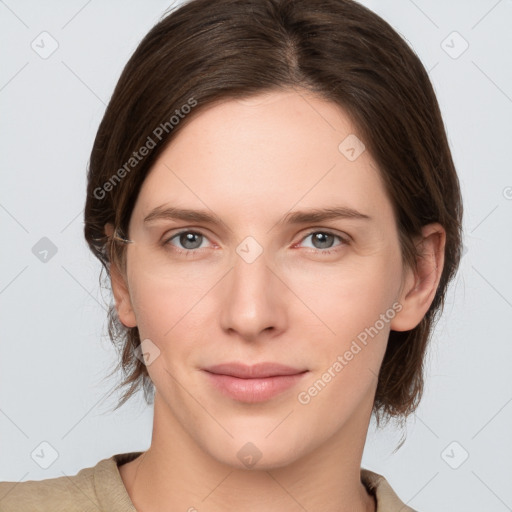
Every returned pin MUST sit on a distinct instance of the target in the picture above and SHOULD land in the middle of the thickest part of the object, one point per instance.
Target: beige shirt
(100, 488)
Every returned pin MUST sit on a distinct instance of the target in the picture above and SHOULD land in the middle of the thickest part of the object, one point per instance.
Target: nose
(255, 301)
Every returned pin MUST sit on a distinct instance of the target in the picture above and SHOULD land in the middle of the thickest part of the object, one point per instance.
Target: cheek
(156, 308)
(350, 296)
(171, 313)
(162, 303)
(358, 310)
(356, 304)
(165, 315)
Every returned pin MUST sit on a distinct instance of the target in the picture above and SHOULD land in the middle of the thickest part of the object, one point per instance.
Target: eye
(187, 241)
(323, 240)
(190, 241)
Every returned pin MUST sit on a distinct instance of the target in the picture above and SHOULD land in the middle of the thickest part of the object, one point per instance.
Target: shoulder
(75, 492)
(387, 499)
(89, 490)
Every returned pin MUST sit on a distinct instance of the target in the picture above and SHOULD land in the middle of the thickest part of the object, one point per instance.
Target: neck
(176, 474)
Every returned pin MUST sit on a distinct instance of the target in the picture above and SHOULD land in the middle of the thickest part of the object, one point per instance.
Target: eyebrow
(296, 217)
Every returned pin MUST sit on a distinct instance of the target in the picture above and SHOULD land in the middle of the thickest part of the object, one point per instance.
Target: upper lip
(256, 371)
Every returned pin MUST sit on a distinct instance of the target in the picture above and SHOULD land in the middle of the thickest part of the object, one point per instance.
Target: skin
(251, 162)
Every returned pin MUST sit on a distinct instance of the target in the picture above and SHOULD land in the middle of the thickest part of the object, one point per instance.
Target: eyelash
(190, 252)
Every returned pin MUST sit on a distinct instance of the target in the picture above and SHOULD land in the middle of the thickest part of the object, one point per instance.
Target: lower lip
(253, 390)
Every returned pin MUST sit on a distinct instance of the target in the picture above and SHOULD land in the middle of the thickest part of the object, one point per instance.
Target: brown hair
(215, 50)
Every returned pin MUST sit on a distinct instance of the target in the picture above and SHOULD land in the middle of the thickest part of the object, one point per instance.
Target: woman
(272, 195)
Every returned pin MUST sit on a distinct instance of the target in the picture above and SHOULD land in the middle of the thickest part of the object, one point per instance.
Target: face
(268, 312)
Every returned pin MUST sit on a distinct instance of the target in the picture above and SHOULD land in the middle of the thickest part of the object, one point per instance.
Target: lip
(253, 384)
(256, 371)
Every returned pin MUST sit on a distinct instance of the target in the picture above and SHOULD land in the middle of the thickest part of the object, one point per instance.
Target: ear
(421, 283)
(120, 289)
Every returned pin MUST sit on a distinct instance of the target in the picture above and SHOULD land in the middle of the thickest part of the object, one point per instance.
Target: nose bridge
(250, 271)
(252, 301)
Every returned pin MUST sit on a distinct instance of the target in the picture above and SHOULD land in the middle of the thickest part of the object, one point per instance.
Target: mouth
(253, 384)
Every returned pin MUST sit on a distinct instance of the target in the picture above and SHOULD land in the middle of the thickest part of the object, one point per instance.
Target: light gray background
(54, 351)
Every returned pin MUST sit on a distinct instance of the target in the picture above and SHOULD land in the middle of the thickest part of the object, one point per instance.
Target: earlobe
(120, 290)
(421, 283)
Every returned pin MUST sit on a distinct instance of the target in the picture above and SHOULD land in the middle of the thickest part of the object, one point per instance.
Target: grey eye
(321, 239)
(324, 240)
(187, 240)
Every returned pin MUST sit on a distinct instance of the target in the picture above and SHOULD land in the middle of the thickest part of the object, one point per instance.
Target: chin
(252, 457)
(253, 449)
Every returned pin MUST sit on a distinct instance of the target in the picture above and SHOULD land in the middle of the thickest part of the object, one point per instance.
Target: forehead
(266, 153)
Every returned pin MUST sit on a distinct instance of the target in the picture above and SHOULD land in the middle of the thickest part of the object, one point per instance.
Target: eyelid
(345, 238)
(171, 235)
